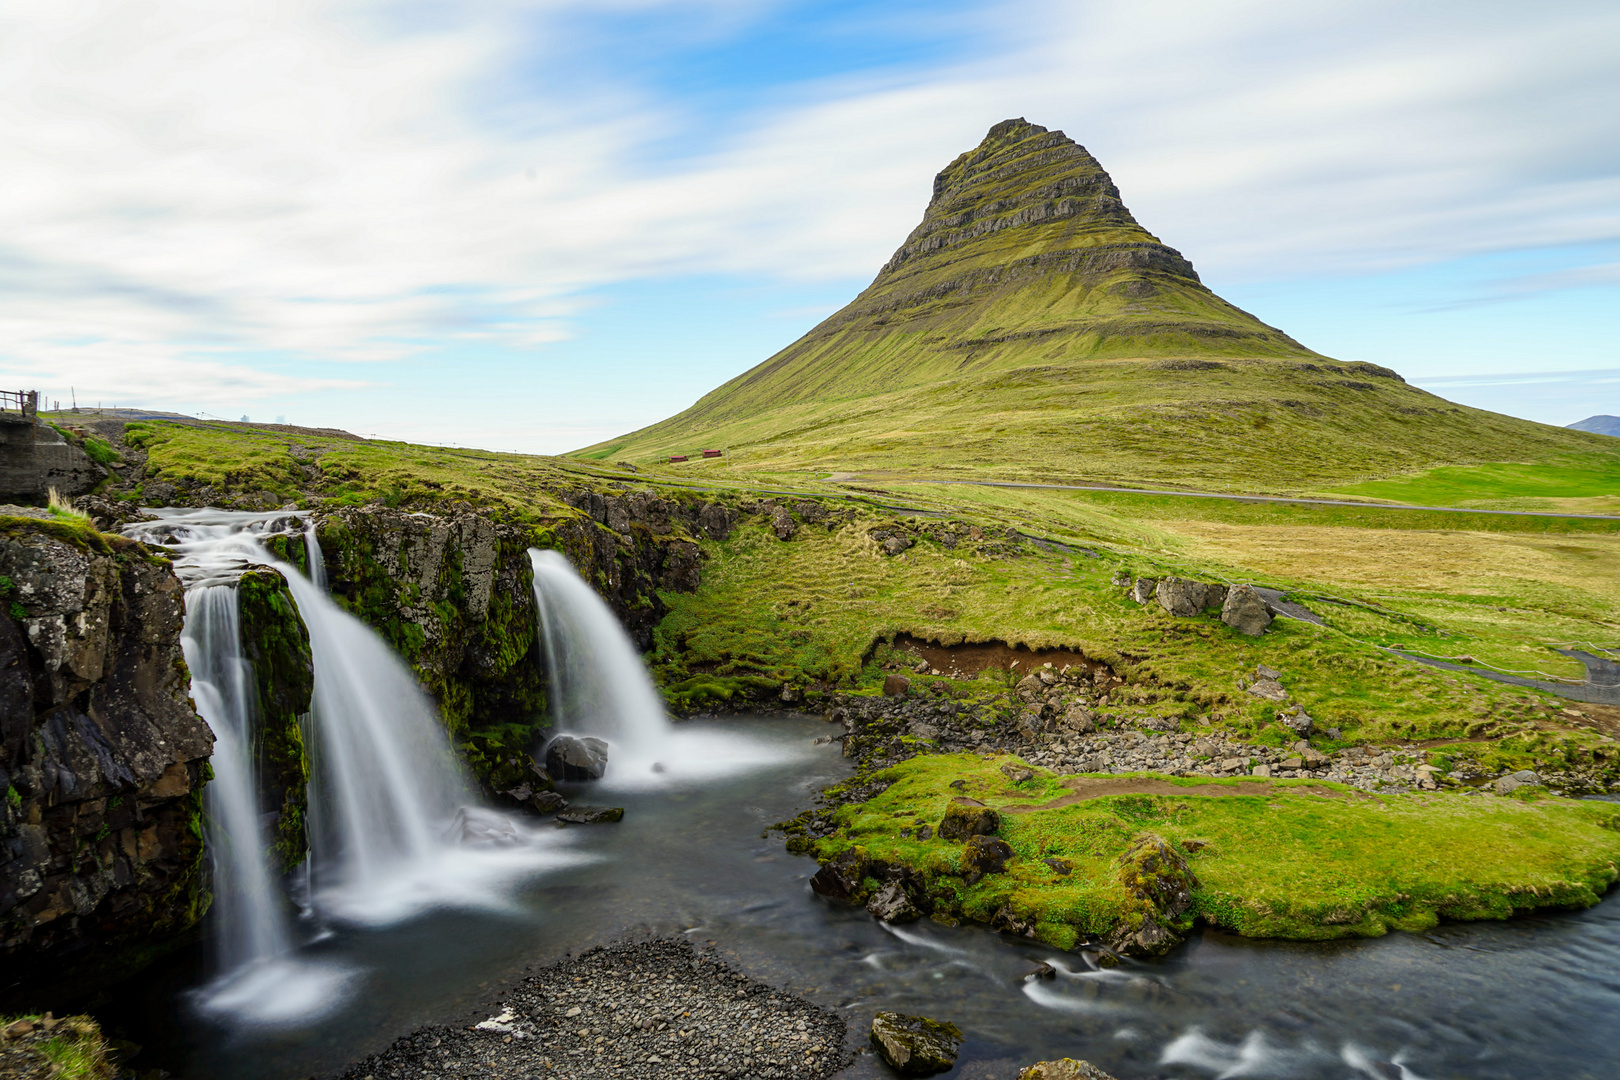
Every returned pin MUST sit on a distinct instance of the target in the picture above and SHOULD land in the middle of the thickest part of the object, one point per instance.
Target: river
(1535, 997)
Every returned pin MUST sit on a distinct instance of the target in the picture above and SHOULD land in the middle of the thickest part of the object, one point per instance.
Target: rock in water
(1064, 1069)
(915, 1045)
(841, 878)
(1246, 611)
(966, 817)
(591, 815)
(891, 904)
(576, 757)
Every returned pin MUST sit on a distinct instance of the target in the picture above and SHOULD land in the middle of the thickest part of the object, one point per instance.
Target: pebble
(630, 1011)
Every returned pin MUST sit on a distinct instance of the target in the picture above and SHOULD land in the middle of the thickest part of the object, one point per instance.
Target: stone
(841, 878)
(1299, 721)
(1269, 689)
(591, 815)
(1029, 726)
(894, 545)
(1181, 597)
(1042, 971)
(891, 904)
(1078, 719)
(547, 802)
(1064, 1069)
(1121, 579)
(1017, 774)
(1262, 671)
(915, 1045)
(1260, 770)
(1159, 879)
(1506, 785)
(1143, 590)
(1233, 764)
(966, 818)
(1246, 611)
(896, 686)
(986, 855)
(576, 757)
(782, 523)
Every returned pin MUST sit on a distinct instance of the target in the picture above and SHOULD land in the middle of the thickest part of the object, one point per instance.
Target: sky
(534, 225)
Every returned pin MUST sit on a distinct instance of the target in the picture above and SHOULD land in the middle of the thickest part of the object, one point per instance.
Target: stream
(1534, 997)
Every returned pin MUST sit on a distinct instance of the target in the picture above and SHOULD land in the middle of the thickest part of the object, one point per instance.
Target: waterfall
(600, 687)
(393, 827)
(250, 918)
(598, 684)
(313, 556)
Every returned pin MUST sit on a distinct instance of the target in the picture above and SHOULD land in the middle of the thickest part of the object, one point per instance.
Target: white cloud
(188, 190)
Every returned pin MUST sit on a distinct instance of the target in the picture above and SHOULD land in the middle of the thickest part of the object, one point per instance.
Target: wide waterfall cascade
(394, 828)
(600, 687)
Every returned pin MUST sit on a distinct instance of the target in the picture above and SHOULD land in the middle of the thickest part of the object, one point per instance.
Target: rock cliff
(102, 757)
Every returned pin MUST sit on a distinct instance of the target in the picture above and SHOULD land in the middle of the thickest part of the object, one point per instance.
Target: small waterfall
(250, 918)
(599, 685)
(313, 556)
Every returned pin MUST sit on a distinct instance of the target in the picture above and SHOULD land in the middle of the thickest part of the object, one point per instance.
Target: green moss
(1308, 860)
(276, 642)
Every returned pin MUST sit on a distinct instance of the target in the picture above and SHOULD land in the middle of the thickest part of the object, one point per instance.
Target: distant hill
(1030, 327)
(1600, 425)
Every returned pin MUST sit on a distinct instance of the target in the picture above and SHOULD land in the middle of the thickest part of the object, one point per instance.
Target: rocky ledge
(653, 1009)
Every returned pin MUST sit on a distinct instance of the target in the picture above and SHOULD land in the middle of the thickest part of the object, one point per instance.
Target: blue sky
(530, 226)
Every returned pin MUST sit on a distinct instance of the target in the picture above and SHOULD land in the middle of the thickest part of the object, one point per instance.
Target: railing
(25, 402)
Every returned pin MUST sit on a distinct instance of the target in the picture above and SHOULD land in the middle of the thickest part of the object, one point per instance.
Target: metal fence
(24, 402)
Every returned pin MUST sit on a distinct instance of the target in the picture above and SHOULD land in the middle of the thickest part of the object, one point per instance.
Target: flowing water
(1524, 1000)
(431, 926)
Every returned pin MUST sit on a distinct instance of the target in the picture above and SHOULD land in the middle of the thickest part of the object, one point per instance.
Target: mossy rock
(915, 1045)
(276, 642)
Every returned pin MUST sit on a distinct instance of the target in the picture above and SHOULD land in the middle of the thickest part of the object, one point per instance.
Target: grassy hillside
(1030, 328)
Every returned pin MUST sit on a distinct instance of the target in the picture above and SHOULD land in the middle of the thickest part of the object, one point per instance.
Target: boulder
(896, 686)
(1064, 1069)
(1270, 689)
(782, 523)
(1016, 773)
(1246, 611)
(1178, 596)
(1158, 878)
(591, 815)
(547, 802)
(891, 904)
(1143, 590)
(576, 757)
(1078, 719)
(1029, 726)
(894, 545)
(1506, 785)
(986, 855)
(915, 1045)
(1121, 579)
(1300, 722)
(841, 878)
(966, 818)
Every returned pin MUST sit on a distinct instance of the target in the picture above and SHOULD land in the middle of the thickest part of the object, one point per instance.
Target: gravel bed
(646, 1009)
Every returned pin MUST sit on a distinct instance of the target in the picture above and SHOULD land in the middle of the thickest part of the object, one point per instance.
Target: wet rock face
(891, 904)
(591, 815)
(841, 878)
(915, 1045)
(575, 757)
(101, 760)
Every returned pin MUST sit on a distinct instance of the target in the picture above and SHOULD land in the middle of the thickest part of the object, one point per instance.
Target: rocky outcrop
(574, 757)
(276, 643)
(1063, 1069)
(102, 758)
(1246, 611)
(35, 458)
(1156, 876)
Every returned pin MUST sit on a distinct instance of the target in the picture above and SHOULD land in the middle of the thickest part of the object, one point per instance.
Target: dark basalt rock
(591, 815)
(891, 904)
(841, 879)
(985, 855)
(576, 757)
(102, 760)
(1064, 1069)
(1157, 876)
(915, 1045)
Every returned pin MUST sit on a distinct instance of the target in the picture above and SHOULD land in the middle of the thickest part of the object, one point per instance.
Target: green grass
(1557, 485)
(1306, 860)
(72, 1049)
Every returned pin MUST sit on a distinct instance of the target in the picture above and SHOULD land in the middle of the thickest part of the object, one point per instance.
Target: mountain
(1030, 327)
(1600, 425)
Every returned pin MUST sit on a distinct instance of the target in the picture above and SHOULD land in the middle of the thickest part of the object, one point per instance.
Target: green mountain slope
(1029, 327)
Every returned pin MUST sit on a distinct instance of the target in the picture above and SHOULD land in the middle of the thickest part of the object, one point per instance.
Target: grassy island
(1300, 859)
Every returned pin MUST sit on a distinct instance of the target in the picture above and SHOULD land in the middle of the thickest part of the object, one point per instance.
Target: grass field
(1580, 484)
(1299, 859)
